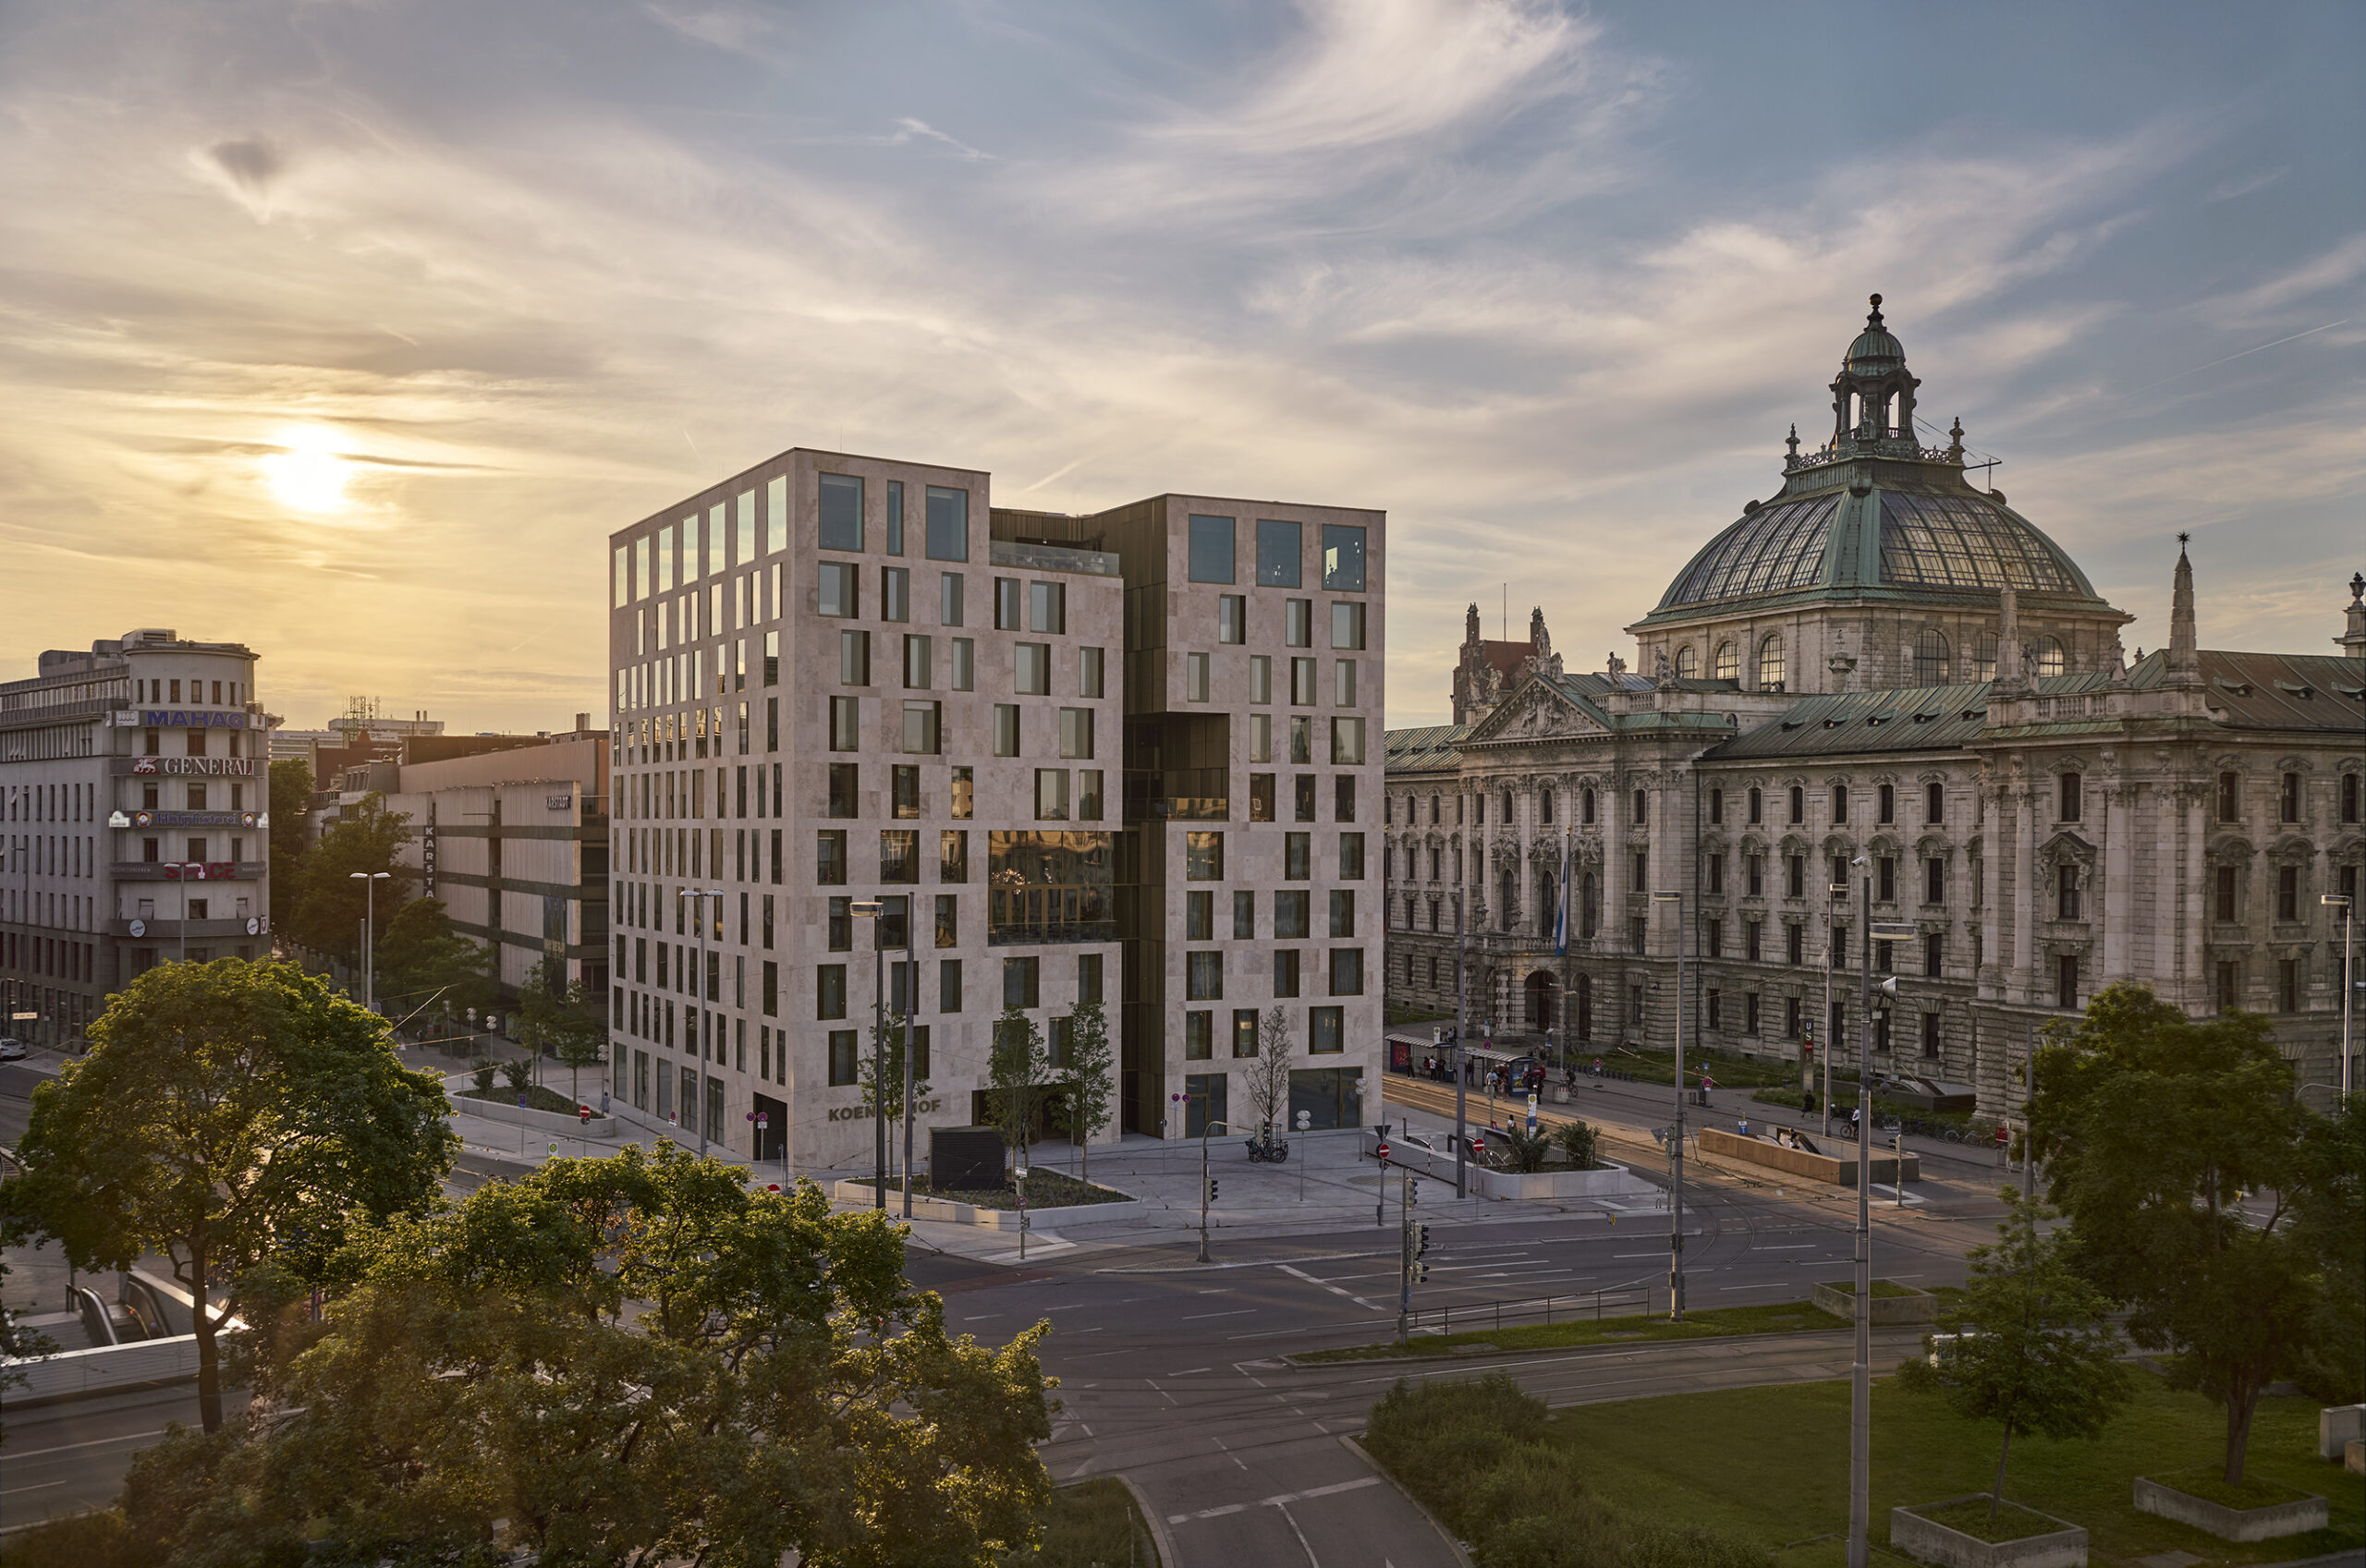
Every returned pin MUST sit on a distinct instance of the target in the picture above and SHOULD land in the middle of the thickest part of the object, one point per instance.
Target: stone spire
(2009, 674)
(2353, 638)
(2185, 657)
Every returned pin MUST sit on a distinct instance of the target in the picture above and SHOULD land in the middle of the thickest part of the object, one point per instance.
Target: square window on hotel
(1051, 794)
(1342, 558)
(1032, 666)
(1346, 971)
(1343, 684)
(1210, 550)
(1291, 916)
(1286, 971)
(1343, 912)
(1232, 617)
(1199, 917)
(1203, 977)
(1261, 797)
(1204, 856)
(1089, 681)
(1261, 737)
(1351, 857)
(922, 729)
(965, 792)
(1260, 677)
(1087, 794)
(1346, 625)
(964, 673)
(838, 588)
(854, 658)
(900, 857)
(1348, 743)
(830, 858)
(1298, 621)
(1195, 678)
(1280, 553)
(844, 787)
(846, 724)
(949, 524)
(1298, 857)
(1047, 607)
(1199, 1036)
(1006, 729)
(952, 856)
(1076, 732)
(905, 784)
(841, 512)
(895, 593)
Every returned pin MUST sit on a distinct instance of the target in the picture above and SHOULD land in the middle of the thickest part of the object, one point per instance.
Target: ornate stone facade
(2063, 821)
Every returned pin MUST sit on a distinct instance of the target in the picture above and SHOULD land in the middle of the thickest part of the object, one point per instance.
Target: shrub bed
(1045, 1189)
(537, 1098)
(1476, 1454)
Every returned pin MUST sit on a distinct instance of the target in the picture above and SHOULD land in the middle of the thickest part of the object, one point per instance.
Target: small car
(13, 1049)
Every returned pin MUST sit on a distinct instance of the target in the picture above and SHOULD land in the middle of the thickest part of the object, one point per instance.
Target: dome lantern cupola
(1873, 399)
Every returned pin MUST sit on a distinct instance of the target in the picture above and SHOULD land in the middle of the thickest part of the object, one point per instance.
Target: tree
(2033, 1347)
(2173, 1146)
(1265, 1088)
(291, 809)
(1525, 1151)
(2330, 1224)
(423, 963)
(238, 1118)
(1014, 1075)
(1580, 1141)
(1092, 1076)
(630, 1360)
(555, 1013)
(888, 1039)
(330, 910)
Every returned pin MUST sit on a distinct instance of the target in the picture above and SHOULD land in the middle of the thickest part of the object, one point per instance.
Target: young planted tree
(2033, 1349)
(554, 1014)
(887, 1040)
(239, 1118)
(1015, 1071)
(1265, 1086)
(1578, 1141)
(2331, 1225)
(427, 968)
(332, 906)
(1092, 1072)
(2173, 1147)
(635, 1360)
(291, 803)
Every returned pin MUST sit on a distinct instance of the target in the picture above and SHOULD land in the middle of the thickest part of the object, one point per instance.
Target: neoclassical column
(2024, 892)
(1995, 846)
(2193, 982)
(2114, 909)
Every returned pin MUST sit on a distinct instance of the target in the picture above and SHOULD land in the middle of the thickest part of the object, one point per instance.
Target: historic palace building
(1885, 672)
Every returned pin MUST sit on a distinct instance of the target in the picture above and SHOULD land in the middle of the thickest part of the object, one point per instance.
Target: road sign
(1382, 1152)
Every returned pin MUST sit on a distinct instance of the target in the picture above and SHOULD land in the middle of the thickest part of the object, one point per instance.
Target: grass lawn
(1766, 1318)
(1771, 1465)
(1092, 1524)
(1883, 1289)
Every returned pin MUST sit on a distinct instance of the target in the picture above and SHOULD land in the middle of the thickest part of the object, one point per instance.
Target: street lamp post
(369, 881)
(1676, 1133)
(869, 909)
(1461, 1023)
(2349, 981)
(911, 1040)
(1207, 1125)
(1835, 893)
(1860, 1394)
(706, 1018)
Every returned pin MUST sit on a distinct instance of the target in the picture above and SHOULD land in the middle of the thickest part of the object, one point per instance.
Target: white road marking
(95, 1442)
(1283, 1500)
(1236, 1312)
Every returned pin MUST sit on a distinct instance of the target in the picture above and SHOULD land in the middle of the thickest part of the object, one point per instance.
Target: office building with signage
(1119, 758)
(132, 823)
(515, 842)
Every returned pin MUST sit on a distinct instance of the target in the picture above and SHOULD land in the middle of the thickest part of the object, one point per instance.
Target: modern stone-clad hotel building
(1130, 756)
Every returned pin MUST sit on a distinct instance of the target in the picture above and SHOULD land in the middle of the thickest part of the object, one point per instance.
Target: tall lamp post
(2349, 981)
(1676, 1133)
(706, 1020)
(1461, 1023)
(869, 909)
(912, 1037)
(1837, 891)
(1861, 1388)
(369, 881)
(1207, 1192)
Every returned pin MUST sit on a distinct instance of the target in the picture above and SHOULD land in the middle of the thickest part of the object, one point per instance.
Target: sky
(350, 329)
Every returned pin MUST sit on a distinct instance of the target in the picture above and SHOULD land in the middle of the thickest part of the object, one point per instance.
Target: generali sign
(211, 767)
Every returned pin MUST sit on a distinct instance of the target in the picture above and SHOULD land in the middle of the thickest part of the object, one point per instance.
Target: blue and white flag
(1561, 915)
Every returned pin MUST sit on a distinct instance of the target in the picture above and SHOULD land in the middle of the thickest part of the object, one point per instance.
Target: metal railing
(1573, 1307)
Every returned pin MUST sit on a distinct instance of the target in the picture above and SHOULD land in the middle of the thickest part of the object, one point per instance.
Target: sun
(305, 473)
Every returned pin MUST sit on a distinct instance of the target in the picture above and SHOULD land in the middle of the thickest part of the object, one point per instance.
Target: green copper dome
(1875, 349)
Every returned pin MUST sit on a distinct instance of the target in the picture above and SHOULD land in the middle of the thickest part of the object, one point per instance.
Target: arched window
(1544, 805)
(2050, 658)
(1931, 659)
(1585, 804)
(1588, 905)
(1983, 658)
(1511, 899)
(1688, 663)
(1728, 665)
(1508, 818)
(1434, 809)
(1770, 664)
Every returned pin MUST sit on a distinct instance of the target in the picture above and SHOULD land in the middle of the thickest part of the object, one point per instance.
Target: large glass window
(1076, 732)
(1032, 663)
(1203, 977)
(1346, 623)
(1204, 856)
(1931, 658)
(953, 854)
(899, 854)
(1348, 742)
(1281, 551)
(841, 512)
(1291, 913)
(838, 588)
(854, 658)
(1047, 607)
(1006, 729)
(1210, 550)
(1342, 558)
(1051, 794)
(949, 524)
(1051, 886)
(922, 729)
(1770, 663)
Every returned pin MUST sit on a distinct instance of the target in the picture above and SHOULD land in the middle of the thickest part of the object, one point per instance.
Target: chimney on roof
(583, 724)
(2185, 657)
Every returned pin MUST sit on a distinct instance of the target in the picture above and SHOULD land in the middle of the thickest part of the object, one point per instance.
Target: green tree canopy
(557, 1015)
(239, 1118)
(424, 963)
(630, 1360)
(2331, 1223)
(1091, 1068)
(330, 908)
(2173, 1145)
(2033, 1347)
(1014, 1071)
(291, 806)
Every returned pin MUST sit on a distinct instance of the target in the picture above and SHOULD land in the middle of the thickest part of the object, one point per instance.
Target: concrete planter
(1840, 1170)
(991, 1219)
(549, 1123)
(2232, 1523)
(1919, 1307)
(1615, 1181)
(2064, 1546)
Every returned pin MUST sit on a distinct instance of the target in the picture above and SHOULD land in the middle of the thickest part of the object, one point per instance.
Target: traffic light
(1212, 1189)
(1421, 1272)
(1421, 1238)
(1412, 1192)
